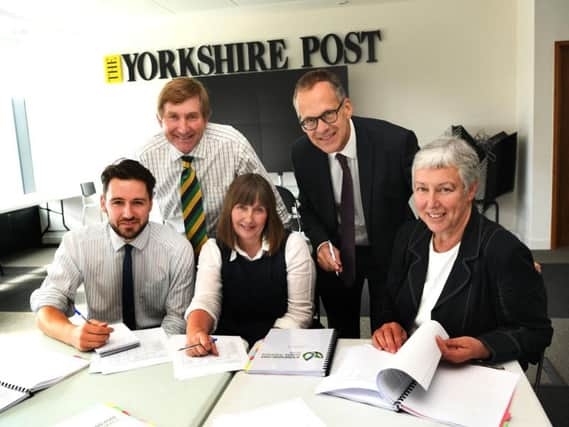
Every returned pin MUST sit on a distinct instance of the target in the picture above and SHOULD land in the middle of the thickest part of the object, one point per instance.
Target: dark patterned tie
(347, 224)
(192, 206)
(128, 289)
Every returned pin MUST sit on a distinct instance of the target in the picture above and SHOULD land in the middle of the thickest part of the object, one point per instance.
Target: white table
(246, 392)
(150, 393)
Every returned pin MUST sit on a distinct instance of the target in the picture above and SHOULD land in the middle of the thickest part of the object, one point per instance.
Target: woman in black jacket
(457, 267)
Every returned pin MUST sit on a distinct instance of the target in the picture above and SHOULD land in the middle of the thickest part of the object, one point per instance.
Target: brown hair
(308, 80)
(181, 89)
(128, 169)
(247, 189)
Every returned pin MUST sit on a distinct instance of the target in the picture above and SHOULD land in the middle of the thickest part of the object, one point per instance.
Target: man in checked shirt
(219, 153)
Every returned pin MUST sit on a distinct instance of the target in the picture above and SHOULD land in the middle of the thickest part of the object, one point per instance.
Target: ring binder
(295, 352)
(22, 374)
(404, 395)
(16, 387)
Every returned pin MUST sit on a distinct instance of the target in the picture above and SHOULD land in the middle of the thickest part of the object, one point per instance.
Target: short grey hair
(450, 152)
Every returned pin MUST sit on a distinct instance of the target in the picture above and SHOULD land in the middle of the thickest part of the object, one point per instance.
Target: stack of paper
(153, 350)
(121, 339)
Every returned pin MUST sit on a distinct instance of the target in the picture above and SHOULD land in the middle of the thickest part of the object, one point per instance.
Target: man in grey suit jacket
(379, 157)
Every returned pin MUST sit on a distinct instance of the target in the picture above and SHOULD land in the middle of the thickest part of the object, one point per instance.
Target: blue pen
(79, 313)
(187, 347)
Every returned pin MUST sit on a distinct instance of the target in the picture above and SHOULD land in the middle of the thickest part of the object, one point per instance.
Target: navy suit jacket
(493, 292)
(385, 153)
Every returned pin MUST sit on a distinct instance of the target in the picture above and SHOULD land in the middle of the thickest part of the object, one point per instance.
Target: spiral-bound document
(413, 381)
(295, 352)
(22, 374)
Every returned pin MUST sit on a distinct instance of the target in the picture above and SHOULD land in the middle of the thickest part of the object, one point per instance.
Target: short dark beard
(116, 230)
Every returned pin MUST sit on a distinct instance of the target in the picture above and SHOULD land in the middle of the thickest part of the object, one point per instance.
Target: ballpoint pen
(79, 313)
(331, 248)
(187, 347)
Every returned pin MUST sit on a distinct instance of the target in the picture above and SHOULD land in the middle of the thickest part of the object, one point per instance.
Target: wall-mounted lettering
(334, 50)
(249, 56)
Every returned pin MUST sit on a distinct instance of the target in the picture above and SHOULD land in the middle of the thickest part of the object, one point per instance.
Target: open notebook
(413, 381)
(23, 373)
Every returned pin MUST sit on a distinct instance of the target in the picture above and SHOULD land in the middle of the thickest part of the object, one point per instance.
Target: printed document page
(465, 394)
(232, 357)
(101, 415)
(153, 350)
(420, 368)
(294, 412)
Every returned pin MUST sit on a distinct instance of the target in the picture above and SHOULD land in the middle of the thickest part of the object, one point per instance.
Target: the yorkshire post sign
(228, 58)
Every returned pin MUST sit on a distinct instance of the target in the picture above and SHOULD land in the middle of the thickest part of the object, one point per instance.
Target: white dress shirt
(301, 277)
(350, 151)
(163, 273)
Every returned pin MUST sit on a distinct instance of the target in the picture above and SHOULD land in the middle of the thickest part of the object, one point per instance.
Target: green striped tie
(192, 206)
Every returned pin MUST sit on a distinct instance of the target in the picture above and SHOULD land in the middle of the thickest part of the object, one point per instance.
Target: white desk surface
(151, 393)
(246, 392)
(36, 199)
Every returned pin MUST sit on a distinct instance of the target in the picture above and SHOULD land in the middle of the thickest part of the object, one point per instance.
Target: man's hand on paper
(90, 335)
(462, 349)
(389, 337)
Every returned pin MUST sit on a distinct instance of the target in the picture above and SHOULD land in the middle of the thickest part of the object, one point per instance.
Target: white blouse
(301, 278)
(440, 266)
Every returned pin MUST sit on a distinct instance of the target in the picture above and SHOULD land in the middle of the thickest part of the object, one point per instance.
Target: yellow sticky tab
(113, 69)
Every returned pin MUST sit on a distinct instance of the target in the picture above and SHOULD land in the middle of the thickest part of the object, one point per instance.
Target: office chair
(291, 206)
(87, 192)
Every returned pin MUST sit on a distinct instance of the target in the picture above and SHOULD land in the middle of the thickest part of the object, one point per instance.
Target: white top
(222, 154)
(163, 274)
(301, 277)
(440, 265)
(350, 151)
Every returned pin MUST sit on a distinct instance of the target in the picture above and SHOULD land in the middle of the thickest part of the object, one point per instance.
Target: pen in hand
(187, 347)
(331, 248)
(83, 317)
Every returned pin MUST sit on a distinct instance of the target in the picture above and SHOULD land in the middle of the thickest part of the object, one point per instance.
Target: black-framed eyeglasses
(328, 117)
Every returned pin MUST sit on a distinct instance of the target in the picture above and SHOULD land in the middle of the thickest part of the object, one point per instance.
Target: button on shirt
(163, 270)
(350, 151)
(222, 154)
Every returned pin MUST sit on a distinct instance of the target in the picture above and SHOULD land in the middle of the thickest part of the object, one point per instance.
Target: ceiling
(20, 18)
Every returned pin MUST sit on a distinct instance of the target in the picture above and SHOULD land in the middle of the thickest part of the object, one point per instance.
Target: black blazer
(493, 292)
(385, 154)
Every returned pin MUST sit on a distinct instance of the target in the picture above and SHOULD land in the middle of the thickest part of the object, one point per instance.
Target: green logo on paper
(312, 354)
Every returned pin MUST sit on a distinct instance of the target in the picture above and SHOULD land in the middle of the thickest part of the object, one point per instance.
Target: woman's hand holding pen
(329, 258)
(90, 335)
(200, 344)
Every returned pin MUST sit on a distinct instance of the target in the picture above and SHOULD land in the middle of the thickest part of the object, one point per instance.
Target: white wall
(441, 62)
(525, 103)
(551, 24)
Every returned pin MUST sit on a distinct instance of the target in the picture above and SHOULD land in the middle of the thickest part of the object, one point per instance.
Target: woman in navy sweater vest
(254, 275)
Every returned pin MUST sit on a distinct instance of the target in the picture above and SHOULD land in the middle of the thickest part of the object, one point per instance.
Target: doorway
(560, 197)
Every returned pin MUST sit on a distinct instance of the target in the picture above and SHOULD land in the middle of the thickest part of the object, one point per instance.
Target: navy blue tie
(347, 224)
(128, 289)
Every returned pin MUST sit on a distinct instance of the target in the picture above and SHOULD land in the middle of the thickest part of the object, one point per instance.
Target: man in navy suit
(368, 185)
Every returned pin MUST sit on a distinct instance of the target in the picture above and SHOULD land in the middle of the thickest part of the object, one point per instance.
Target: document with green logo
(294, 352)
